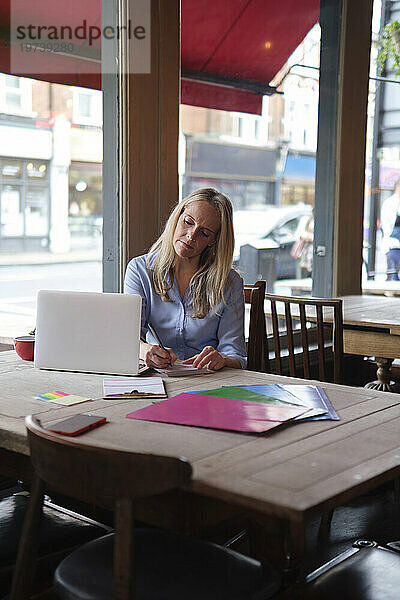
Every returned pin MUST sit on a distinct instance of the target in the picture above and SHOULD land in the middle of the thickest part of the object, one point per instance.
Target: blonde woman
(191, 295)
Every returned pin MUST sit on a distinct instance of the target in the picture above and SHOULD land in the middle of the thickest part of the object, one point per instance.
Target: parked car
(279, 224)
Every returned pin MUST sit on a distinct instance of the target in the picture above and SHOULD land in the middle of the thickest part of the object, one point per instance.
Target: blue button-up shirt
(222, 328)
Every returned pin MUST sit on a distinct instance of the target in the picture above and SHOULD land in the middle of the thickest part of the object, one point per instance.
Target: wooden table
(370, 286)
(282, 477)
(372, 328)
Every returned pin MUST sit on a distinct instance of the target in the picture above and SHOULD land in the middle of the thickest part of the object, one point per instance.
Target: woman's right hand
(154, 356)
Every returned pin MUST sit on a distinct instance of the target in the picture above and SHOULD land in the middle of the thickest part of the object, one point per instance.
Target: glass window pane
(265, 163)
(85, 105)
(13, 100)
(85, 205)
(381, 248)
(12, 81)
(54, 169)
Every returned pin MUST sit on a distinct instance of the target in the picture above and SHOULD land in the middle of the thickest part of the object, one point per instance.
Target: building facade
(50, 165)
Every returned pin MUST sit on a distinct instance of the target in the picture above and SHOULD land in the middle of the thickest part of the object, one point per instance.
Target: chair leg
(124, 579)
(28, 545)
(324, 529)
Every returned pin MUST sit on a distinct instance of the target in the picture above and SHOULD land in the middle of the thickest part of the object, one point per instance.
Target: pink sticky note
(217, 413)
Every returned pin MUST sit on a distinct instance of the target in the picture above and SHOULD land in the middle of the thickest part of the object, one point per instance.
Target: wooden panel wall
(152, 108)
(324, 208)
(339, 184)
(351, 140)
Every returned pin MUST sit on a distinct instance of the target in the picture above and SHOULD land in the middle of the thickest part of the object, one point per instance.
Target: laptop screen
(88, 331)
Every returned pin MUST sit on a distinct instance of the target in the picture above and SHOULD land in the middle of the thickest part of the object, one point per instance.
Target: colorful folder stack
(250, 408)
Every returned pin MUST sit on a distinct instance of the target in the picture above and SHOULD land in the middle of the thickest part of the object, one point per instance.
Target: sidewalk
(49, 258)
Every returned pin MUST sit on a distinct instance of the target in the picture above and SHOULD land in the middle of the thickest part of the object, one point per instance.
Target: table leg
(384, 383)
(295, 550)
(279, 541)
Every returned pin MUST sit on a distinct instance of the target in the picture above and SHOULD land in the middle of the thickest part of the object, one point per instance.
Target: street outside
(19, 285)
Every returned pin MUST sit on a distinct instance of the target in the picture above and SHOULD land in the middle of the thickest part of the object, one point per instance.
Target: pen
(156, 336)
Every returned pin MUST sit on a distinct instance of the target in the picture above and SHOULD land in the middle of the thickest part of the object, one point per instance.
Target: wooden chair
(254, 295)
(320, 313)
(166, 565)
(296, 310)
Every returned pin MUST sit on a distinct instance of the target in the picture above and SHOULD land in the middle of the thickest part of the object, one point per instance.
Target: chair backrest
(296, 310)
(104, 476)
(256, 347)
(101, 475)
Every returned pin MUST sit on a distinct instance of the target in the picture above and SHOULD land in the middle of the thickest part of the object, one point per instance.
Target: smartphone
(77, 424)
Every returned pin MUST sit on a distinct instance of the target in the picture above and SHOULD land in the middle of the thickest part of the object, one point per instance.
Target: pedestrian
(390, 223)
(303, 249)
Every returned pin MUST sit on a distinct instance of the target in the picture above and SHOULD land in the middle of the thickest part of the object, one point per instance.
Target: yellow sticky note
(69, 400)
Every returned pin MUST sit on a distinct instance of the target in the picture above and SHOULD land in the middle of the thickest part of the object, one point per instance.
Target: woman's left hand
(208, 357)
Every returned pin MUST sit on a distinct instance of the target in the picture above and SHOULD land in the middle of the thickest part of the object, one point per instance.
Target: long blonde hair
(215, 263)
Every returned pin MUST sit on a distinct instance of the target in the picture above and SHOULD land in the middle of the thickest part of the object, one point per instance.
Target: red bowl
(24, 346)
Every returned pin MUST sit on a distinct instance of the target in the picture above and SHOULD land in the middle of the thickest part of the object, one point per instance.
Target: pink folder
(217, 413)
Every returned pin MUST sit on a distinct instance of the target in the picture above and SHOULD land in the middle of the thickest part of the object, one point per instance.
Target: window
(383, 168)
(84, 105)
(16, 95)
(87, 107)
(50, 195)
(246, 156)
(288, 229)
(24, 209)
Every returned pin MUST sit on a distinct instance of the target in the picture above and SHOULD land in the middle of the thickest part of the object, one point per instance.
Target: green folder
(238, 393)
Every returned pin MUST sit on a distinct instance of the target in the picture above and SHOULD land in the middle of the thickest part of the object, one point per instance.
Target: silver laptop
(88, 331)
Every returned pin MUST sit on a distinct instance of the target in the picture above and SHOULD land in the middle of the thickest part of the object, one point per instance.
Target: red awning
(239, 42)
(82, 68)
(231, 49)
